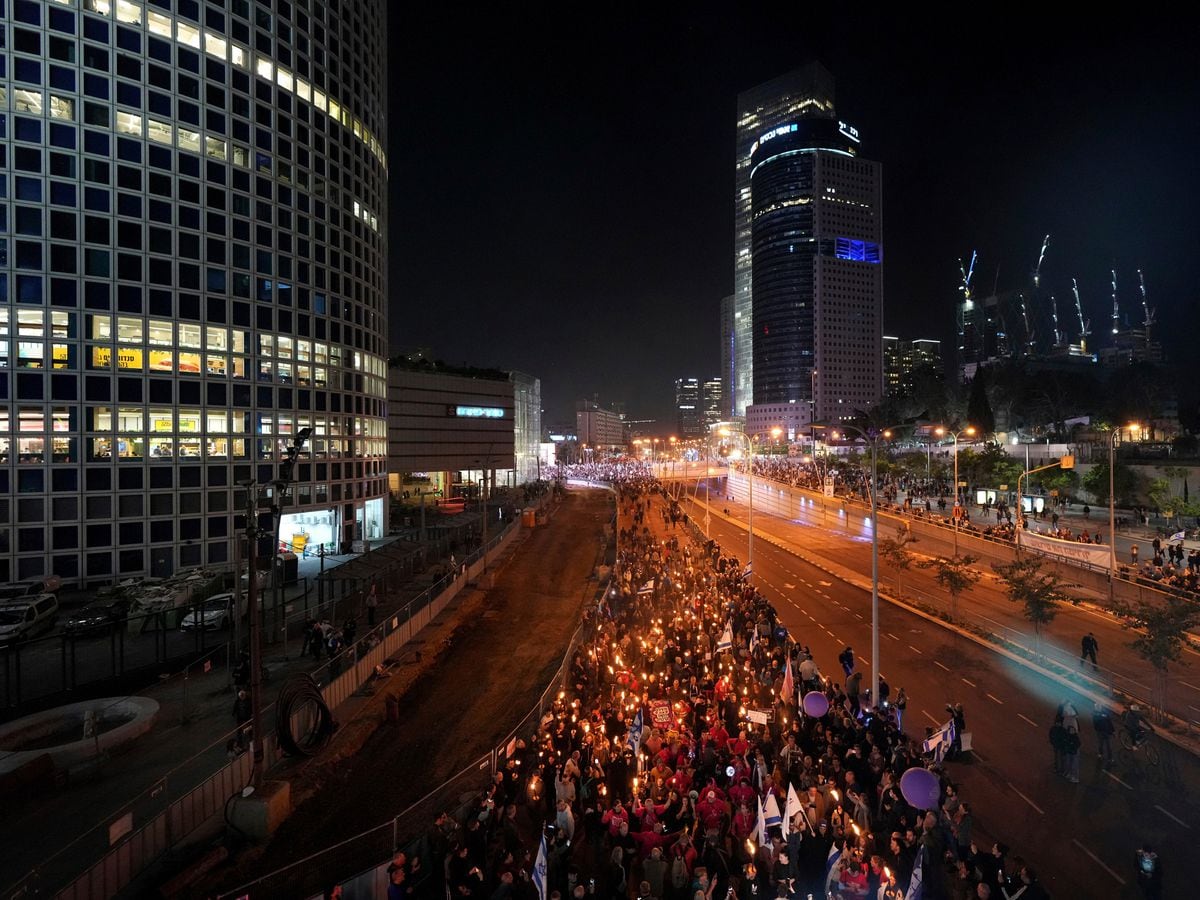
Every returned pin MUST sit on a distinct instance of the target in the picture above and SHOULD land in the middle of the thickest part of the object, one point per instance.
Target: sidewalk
(185, 746)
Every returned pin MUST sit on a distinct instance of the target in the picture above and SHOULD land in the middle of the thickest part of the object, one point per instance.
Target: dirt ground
(491, 676)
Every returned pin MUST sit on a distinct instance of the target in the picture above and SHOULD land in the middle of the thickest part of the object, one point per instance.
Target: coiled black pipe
(301, 694)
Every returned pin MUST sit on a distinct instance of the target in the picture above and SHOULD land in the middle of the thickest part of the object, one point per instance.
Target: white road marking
(971, 683)
(1030, 721)
(790, 587)
(1192, 686)
(1171, 816)
(1098, 861)
(1026, 799)
(892, 636)
(1118, 780)
(997, 699)
(931, 718)
(939, 665)
(858, 615)
(826, 583)
(915, 650)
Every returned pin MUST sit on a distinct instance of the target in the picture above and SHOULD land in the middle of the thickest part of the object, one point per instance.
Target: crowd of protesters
(679, 762)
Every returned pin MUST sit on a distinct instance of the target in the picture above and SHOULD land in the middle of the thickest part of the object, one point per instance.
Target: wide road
(1080, 837)
(845, 539)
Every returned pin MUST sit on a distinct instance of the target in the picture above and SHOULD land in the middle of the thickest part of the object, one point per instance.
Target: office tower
(902, 358)
(728, 355)
(804, 93)
(817, 280)
(195, 271)
(689, 412)
(712, 394)
(598, 428)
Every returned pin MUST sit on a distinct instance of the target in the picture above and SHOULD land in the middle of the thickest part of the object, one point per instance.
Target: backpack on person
(679, 873)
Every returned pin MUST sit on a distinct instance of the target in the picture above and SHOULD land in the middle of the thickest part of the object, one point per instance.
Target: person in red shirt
(740, 745)
(719, 735)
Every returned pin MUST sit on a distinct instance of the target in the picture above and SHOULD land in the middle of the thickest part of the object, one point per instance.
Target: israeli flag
(725, 644)
(539, 870)
(915, 886)
(634, 739)
(792, 809)
(647, 588)
(761, 827)
(835, 853)
(771, 816)
(939, 742)
(1177, 537)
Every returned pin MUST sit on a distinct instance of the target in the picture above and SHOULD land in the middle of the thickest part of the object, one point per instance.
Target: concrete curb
(855, 580)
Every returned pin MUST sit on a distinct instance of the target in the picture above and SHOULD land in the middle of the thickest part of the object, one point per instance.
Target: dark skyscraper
(817, 274)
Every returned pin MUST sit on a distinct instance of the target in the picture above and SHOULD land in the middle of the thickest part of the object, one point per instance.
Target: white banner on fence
(1094, 554)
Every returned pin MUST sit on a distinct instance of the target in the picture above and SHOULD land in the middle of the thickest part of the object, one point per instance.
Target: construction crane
(1084, 325)
(967, 274)
(1030, 336)
(1116, 313)
(1058, 341)
(1037, 272)
(1147, 312)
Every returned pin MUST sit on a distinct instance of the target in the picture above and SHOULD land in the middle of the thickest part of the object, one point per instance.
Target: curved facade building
(816, 229)
(193, 264)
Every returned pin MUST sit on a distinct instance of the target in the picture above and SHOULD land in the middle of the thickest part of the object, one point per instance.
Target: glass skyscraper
(193, 260)
(801, 93)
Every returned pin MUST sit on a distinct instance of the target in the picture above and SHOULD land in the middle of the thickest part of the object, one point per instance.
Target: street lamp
(969, 431)
(279, 489)
(726, 433)
(1134, 428)
(872, 436)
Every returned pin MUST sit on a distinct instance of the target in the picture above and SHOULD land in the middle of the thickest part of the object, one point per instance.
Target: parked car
(99, 615)
(24, 590)
(27, 618)
(214, 613)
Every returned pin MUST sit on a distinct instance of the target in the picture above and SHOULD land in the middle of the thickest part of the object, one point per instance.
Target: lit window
(129, 12)
(189, 336)
(162, 361)
(218, 339)
(27, 101)
(358, 132)
(186, 34)
(241, 157)
(128, 123)
(335, 111)
(162, 420)
(158, 24)
(318, 100)
(303, 89)
(159, 132)
(218, 423)
(284, 78)
(189, 140)
(216, 365)
(129, 329)
(103, 7)
(285, 347)
(189, 363)
(3, 97)
(214, 148)
(62, 108)
(160, 333)
(215, 45)
(238, 56)
(264, 68)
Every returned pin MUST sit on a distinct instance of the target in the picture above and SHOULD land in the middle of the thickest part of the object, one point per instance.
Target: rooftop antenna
(1037, 272)
(1116, 313)
(1084, 325)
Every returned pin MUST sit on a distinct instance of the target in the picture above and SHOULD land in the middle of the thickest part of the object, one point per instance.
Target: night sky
(562, 181)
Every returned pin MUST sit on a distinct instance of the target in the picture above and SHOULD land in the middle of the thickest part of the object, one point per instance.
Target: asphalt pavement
(1080, 837)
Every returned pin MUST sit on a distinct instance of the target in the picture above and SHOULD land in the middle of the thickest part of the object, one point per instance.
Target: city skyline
(604, 189)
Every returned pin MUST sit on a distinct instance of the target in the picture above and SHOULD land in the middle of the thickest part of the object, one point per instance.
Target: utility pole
(253, 612)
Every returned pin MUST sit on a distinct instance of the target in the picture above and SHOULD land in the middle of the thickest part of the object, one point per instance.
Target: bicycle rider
(1135, 725)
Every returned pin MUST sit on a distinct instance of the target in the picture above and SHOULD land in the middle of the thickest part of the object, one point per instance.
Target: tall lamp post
(279, 491)
(1134, 428)
(969, 431)
(280, 487)
(873, 437)
(726, 433)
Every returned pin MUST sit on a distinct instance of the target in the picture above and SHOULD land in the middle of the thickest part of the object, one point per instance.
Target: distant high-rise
(902, 358)
(728, 357)
(806, 92)
(689, 415)
(816, 269)
(712, 397)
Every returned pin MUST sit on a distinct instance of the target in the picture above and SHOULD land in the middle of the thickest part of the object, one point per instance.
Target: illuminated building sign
(476, 412)
(849, 131)
(773, 133)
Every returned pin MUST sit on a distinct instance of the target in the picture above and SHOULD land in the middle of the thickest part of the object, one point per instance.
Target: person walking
(846, 658)
(372, 604)
(1133, 554)
(1071, 748)
(1102, 724)
(1089, 645)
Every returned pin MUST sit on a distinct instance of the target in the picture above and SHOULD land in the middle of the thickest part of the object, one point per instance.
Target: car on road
(25, 619)
(211, 615)
(99, 615)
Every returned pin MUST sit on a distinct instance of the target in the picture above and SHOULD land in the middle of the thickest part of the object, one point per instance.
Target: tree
(898, 558)
(1125, 482)
(955, 574)
(1039, 593)
(1162, 633)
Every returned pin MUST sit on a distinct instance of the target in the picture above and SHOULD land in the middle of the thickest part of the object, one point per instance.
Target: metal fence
(168, 823)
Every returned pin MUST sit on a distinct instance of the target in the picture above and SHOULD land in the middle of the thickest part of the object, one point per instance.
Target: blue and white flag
(771, 816)
(915, 885)
(647, 588)
(754, 637)
(761, 826)
(835, 853)
(725, 644)
(634, 739)
(539, 870)
(1177, 537)
(793, 809)
(939, 742)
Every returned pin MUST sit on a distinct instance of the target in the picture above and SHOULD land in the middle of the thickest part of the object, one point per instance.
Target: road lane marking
(931, 718)
(997, 699)
(1172, 816)
(790, 587)
(940, 666)
(1117, 780)
(971, 683)
(915, 650)
(1098, 861)
(892, 636)
(1026, 799)
(1192, 686)
(858, 615)
(1030, 721)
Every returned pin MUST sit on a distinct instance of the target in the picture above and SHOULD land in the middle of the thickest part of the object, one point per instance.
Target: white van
(27, 618)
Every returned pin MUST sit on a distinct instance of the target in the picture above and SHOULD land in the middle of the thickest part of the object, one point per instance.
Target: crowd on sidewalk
(698, 752)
